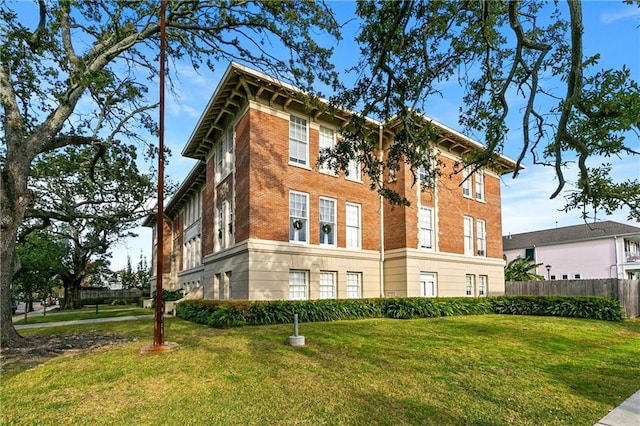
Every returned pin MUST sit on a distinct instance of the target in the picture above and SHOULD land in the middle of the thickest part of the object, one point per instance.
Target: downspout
(615, 255)
(381, 266)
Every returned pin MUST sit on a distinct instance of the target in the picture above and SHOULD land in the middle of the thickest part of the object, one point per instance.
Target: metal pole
(295, 325)
(158, 332)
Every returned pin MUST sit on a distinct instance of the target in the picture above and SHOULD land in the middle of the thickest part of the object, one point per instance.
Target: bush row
(236, 313)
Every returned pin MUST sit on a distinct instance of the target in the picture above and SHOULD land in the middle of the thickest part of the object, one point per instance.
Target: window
(470, 291)
(422, 175)
(466, 183)
(479, 185)
(327, 141)
(220, 286)
(353, 170)
(298, 143)
(219, 242)
(530, 254)
(481, 237)
(427, 284)
(482, 285)
(227, 285)
(425, 222)
(327, 221)
(220, 159)
(353, 226)
(565, 276)
(327, 285)
(298, 211)
(468, 236)
(553, 277)
(297, 285)
(577, 276)
(353, 285)
(224, 155)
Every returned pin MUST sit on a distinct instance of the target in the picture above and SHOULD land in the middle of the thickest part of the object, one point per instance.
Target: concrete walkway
(87, 321)
(626, 414)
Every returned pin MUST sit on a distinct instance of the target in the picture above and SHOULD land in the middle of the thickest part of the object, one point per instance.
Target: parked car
(14, 306)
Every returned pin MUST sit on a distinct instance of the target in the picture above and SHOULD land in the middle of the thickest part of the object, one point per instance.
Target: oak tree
(499, 53)
(81, 74)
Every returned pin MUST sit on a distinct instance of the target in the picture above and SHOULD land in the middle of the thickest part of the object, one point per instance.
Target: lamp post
(548, 271)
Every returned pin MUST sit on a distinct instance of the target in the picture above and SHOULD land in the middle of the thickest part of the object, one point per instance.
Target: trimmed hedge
(224, 314)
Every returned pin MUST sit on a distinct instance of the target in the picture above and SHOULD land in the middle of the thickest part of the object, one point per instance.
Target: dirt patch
(34, 351)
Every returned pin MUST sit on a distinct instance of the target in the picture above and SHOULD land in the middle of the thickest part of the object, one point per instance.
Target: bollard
(296, 339)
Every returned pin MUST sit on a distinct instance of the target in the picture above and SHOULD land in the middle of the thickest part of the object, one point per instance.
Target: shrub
(235, 313)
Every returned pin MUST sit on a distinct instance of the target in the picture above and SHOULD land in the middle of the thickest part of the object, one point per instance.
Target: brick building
(258, 219)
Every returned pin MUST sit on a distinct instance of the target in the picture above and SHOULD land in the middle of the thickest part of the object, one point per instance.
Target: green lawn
(474, 370)
(104, 311)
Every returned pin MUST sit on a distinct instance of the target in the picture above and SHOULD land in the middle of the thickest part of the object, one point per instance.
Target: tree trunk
(13, 201)
(71, 294)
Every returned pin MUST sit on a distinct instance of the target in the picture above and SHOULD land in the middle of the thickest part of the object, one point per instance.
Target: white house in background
(594, 250)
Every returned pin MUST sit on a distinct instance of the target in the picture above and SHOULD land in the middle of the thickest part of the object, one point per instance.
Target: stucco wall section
(403, 268)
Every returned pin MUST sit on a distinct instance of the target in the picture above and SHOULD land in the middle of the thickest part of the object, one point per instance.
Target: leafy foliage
(41, 255)
(224, 314)
(522, 269)
(89, 203)
(511, 59)
(80, 76)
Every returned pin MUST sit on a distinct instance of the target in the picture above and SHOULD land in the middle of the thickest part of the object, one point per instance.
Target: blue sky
(611, 28)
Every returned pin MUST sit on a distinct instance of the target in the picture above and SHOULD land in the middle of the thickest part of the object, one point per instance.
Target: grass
(104, 311)
(480, 370)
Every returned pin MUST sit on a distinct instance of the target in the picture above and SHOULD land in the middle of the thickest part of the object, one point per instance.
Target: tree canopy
(80, 74)
(512, 59)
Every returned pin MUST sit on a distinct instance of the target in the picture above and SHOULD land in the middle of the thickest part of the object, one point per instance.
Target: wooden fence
(116, 294)
(626, 291)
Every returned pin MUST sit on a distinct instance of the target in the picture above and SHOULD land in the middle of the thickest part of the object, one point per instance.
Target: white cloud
(627, 12)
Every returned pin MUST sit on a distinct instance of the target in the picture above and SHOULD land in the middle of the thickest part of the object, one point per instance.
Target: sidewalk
(626, 414)
(86, 321)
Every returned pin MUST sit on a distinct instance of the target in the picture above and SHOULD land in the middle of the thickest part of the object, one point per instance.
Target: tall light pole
(158, 330)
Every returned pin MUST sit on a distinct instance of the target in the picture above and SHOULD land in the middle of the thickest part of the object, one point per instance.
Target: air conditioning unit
(480, 252)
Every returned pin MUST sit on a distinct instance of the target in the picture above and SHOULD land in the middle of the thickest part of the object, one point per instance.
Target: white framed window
(327, 285)
(327, 140)
(565, 276)
(298, 141)
(220, 234)
(298, 217)
(553, 277)
(354, 285)
(353, 226)
(466, 182)
(468, 236)
(428, 284)
(577, 276)
(327, 221)
(481, 237)
(483, 282)
(423, 177)
(470, 285)
(219, 160)
(229, 224)
(353, 171)
(425, 222)
(479, 176)
(298, 285)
